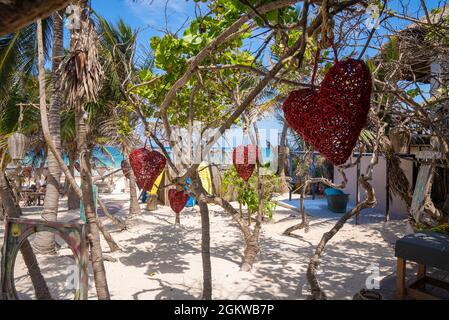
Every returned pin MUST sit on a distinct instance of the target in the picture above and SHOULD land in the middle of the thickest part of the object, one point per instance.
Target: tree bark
(97, 261)
(205, 237)
(134, 207)
(16, 14)
(282, 158)
(72, 196)
(13, 210)
(89, 206)
(369, 202)
(250, 253)
(205, 251)
(45, 241)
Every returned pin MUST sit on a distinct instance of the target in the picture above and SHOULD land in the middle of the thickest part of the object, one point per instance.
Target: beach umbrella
(147, 165)
(244, 159)
(17, 146)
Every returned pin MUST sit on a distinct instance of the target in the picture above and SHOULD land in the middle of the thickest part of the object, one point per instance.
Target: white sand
(162, 261)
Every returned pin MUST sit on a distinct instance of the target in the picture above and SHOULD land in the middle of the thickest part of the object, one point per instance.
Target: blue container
(337, 200)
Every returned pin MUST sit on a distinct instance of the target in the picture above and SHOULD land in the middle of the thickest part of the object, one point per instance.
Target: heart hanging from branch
(332, 118)
(147, 165)
(244, 159)
(177, 199)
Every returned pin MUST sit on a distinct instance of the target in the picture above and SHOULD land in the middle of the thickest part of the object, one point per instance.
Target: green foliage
(442, 228)
(171, 57)
(247, 194)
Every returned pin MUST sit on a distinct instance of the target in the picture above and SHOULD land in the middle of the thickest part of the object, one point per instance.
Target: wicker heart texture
(177, 199)
(244, 159)
(331, 118)
(147, 165)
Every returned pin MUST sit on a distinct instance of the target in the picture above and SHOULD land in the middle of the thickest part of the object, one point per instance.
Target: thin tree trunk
(134, 207)
(13, 210)
(205, 251)
(282, 158)
(97, 261)
(72, 196)
(205, 237)
(114, 220)
(107, 236)
(250, 253)
(369, 202)
(304, 221)
(252, 241)
(45, 241)
(88, 200)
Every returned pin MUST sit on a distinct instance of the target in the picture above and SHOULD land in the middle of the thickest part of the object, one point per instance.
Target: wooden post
(400, 279)
(421, 270)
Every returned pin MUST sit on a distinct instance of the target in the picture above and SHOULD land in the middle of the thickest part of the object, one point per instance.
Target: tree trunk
(94, 237)
(134, 207)
(72, 196)
(45, 241)
(13, 210)
(250, 254)
(205, 237)
(283, 188)
(205, 251)
(88, 200)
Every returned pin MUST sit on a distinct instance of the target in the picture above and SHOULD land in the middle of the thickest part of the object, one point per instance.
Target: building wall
(398, 208)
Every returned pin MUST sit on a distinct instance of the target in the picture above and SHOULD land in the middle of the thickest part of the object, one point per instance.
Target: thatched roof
(412, 48)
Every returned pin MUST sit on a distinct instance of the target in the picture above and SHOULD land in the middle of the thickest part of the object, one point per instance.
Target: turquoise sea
(113, 160)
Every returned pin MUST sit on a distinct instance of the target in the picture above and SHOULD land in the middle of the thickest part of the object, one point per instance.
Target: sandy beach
(160, 260)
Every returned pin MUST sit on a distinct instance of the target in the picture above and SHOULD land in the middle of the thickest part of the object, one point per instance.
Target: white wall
(398, 209)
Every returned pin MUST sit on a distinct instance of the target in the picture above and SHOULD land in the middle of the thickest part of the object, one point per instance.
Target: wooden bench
(427, 249)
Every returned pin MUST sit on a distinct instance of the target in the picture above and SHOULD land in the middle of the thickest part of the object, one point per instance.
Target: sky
(151, 17)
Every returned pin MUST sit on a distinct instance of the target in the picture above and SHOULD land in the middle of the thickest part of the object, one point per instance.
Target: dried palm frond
(399, 184)
(82, 71)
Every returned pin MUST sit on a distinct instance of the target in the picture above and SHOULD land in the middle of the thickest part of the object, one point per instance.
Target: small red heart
(147, 166)
(332, 118)
(245, 159)
(178, 200)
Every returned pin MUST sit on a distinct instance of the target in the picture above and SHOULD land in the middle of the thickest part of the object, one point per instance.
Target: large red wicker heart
(245, 159)
(178, 200)
(125, 168)
(147, 166)
(331, 119)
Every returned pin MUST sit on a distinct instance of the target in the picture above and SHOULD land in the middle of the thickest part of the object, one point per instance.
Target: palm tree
(118, 45)
(82, 82)
(18, 61)
(45, 241)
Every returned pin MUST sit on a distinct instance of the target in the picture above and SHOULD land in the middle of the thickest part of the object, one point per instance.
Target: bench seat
(427, 249)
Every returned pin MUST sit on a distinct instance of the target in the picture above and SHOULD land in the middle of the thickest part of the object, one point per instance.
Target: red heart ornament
(147, 166)
(331, 119)
(244, 159)
(178, 200)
